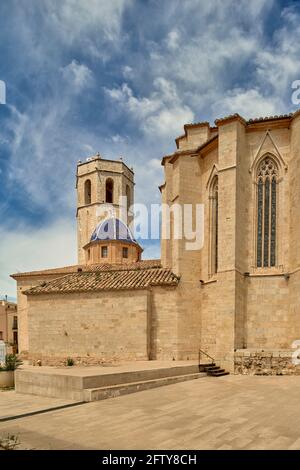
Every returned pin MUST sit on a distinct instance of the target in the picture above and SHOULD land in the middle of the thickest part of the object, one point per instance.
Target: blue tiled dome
(112, 229)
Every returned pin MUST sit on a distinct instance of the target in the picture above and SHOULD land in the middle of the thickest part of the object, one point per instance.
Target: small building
(9, 324)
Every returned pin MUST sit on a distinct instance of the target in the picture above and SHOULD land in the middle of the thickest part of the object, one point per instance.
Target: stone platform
(85, 384)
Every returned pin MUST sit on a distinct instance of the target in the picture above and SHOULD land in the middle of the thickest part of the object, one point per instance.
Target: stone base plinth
(266, 362)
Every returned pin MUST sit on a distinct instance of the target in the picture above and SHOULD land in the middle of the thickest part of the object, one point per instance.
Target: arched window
(109, 191)
(128, 197)
(266, 180)
(214, 226)
(87, 192)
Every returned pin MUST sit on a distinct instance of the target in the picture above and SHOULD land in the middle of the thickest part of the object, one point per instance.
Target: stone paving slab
(232, 412)
(15, 404)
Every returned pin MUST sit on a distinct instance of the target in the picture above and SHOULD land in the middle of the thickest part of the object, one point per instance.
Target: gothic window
(267, 177)
(87, 192)
(214, 226)
(109, 191)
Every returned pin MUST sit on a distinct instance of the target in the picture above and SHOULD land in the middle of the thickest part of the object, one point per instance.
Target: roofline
(52, 271)
(190, 126)
(151, 285)
(95, 158)
(178, 153)
(106, 289)
(250, 125)
(213, 140)
(232, 117)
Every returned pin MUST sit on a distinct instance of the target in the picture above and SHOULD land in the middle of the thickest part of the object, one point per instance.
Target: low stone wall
(276, 362)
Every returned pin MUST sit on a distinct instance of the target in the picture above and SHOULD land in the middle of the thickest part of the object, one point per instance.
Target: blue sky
(121, 77)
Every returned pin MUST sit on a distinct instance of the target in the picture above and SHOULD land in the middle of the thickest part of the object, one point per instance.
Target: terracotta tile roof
(148, 263)
(270, 118)
(107, 280)
(236, 115)
(196, 124)
(229, 118)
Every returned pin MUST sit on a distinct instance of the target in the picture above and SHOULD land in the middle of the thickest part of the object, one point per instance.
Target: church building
(236, 298)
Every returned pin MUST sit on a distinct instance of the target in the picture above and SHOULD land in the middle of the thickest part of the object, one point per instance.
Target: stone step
(218, 373)
(102, 393)
(206, 366)
(118, 378)
(210, 369)
(71, 383)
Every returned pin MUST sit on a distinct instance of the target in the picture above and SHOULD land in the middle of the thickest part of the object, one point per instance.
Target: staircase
(214, 371)
(211, 369)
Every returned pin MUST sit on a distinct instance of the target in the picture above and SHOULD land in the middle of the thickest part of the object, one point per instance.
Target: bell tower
(104, 188)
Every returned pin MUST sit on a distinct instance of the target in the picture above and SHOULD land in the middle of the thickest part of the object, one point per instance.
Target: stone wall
(98, 327)
(258, 362)
(164, 324)
(268, 321)
(24, 283)
(110, 326)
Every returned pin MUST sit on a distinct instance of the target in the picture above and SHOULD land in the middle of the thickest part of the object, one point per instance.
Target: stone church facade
(236, 298)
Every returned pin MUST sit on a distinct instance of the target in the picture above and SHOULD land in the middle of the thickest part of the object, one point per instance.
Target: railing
(207, 355)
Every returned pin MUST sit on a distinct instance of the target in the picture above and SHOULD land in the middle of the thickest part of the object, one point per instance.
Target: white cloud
(87, 24)
(41, 140)
(161, 114)
(77, 75)
(128, 72)
(25, 248)
(248, 103)
(172, 40)
(154, 163)
(278, 64)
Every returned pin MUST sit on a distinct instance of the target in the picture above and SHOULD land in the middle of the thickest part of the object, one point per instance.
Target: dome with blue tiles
(112, 229)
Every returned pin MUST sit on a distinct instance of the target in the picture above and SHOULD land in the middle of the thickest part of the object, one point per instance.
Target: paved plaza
(232, 412)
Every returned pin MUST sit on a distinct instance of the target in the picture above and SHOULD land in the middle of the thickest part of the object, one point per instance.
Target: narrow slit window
(88, 192)
(109, 191)
(104, 252)
(214, 226)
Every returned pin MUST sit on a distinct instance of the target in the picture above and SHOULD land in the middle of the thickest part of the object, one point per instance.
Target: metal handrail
(203, 352)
